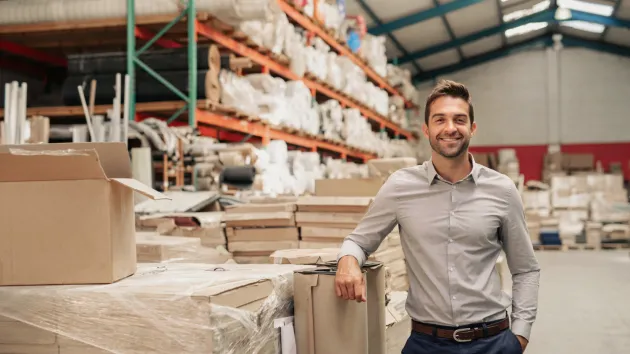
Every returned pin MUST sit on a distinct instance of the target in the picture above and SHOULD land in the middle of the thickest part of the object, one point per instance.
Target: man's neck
(452, 170)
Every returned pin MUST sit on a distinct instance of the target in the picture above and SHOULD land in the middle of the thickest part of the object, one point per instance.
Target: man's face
(449, 129)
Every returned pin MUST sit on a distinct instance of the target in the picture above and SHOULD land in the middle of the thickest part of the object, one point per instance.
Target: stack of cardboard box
(325, 221)
(390, 253)
(207, 227)
(154, 248)
(255, 231)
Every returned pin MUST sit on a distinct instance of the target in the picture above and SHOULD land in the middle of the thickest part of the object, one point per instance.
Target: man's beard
(435, 145)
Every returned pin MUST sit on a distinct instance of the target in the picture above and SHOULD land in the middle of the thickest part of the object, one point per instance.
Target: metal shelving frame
(133, 59)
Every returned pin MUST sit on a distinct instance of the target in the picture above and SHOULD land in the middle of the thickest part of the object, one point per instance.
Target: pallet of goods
(205, 226)
(390, 253)
(155, 248)
(255, 231)
(174, 308)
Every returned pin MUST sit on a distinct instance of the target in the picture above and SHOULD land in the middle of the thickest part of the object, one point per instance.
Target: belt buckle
(456, 332)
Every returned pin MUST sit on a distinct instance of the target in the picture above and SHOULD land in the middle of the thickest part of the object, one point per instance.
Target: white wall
(541, 97)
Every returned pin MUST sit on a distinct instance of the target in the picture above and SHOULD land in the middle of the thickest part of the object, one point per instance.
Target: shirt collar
(474, 173)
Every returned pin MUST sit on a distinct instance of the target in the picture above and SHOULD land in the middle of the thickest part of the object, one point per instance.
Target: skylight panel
(585, 26)
(524, 29)
(585, 6)
(515, 15)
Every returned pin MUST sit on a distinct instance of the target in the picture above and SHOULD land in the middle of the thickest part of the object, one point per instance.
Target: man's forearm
(350, 248)
(524, 302)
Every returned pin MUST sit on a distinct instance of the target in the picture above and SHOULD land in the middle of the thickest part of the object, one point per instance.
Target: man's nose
(450, 127)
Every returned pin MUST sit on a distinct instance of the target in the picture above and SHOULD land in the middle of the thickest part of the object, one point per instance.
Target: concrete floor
(584, 303)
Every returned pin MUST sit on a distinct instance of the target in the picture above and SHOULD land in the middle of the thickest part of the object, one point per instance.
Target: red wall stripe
(531, 156)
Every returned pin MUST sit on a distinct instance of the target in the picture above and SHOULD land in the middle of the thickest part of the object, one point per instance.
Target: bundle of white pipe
(35, 11)
(15, 130)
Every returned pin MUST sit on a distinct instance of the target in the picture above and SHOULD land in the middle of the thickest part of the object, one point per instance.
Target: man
(455, 217)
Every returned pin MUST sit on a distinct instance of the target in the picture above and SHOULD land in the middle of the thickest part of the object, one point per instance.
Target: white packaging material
(534, 200)
(273, 108)
(332, 123)
(358, 132)
(327, 13)
(237, 92)
(373, 50)
(569, 192)
(401, 79)
(377, 98)
(339, 169)
(397, 112)
(334, 74)
(306, 168)
(35, 11)
(267, 83)
(303, 114)
(507, 155)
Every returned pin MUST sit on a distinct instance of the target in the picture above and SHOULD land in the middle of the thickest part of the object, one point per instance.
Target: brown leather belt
(464, 334)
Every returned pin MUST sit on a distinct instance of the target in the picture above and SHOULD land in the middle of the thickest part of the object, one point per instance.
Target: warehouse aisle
(584, 303)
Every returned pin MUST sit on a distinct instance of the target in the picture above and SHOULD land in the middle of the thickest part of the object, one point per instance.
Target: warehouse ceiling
(435, 37)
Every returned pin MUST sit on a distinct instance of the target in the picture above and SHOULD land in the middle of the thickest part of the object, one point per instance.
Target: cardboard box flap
(114, 157)
(141, 188)
(49, 165)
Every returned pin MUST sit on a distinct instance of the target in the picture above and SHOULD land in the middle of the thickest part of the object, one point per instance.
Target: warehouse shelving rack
(189, 28)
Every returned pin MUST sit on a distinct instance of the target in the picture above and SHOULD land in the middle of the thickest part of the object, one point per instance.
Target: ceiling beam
(391, 37)
(543, 16)
(544, 40)
(449, 29)
(615, 8)
(421, 16)
(540, 41)
(572, 41)
(501, 22)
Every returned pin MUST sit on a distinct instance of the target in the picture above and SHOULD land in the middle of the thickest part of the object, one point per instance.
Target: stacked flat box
(390, 253)
(177, 308)
(324, 222)
(255, 231)
(534, 225)
(154, 248)
(397, 321)
(206, 226)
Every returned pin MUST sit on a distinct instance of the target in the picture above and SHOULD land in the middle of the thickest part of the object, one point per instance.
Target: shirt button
(450, 240)
(450, 269)
(454, 297)
(452, 213)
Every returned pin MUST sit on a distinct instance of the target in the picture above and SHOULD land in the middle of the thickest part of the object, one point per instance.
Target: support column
(192, 63)
(131, 54)
(553, 96)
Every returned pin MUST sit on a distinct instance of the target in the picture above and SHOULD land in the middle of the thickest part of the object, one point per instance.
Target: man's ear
(425, 130)
(473, 128)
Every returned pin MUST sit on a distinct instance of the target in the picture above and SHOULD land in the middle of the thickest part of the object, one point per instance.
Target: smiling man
(455, 216)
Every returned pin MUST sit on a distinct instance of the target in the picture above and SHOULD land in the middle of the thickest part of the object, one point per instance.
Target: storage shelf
(311, 25)
(209, 119)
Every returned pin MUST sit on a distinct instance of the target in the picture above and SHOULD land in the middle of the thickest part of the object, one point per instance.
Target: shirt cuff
(349, 248)
(521, 328)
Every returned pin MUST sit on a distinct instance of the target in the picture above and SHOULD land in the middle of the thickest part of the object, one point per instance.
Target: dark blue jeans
(502, 343)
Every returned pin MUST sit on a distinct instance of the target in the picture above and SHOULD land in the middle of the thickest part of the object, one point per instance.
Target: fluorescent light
(585, 26)
(530, 27)
(593, 8)
(515, 15)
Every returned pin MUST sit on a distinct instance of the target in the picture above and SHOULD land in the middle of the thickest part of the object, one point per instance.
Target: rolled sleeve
(523, 265)
(375, 225)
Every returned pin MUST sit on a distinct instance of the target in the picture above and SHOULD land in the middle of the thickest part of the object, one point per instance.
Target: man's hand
(349, 282)
(523, 342)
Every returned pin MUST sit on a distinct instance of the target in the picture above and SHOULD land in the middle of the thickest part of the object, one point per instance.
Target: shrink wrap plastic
(165, 308)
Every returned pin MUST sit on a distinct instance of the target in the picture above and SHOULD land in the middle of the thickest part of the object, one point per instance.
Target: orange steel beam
(266, 134)
(311, 26)
(284, 71)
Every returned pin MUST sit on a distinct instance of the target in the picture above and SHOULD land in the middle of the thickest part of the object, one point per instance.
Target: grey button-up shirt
(452, 235)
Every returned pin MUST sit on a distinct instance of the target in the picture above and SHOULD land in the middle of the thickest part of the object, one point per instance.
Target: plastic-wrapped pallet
(238, 92)
(397, 112)
(335, 74)
(329, 14)
(163, 308)
(35, 11)
(358, 131)
(401, 79)
(373, 50)
(377, 98)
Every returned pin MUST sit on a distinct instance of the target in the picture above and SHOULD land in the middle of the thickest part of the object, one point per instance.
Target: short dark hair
(452, 89)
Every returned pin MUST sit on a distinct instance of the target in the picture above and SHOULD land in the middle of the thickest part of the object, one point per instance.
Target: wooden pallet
(615, 246)
(549, 247)
(582, 247)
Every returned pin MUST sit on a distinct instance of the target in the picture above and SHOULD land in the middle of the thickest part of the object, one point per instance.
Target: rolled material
(238, 176)
(148, 89)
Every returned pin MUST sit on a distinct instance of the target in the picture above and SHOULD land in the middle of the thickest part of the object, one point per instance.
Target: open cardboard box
(67, 214)
(327, 324)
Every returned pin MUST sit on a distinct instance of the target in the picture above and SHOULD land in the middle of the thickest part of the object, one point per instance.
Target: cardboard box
(67, 214)
(348, 187)
(325, 323)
